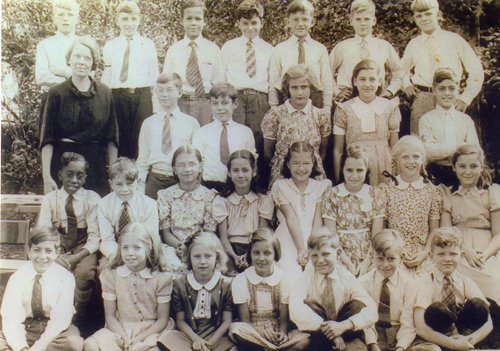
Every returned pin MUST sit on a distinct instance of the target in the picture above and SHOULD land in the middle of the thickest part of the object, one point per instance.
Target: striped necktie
(302, 52)
(166, 144)
(251, 60)
(126, 59)
(193, 75)
(364, 52)
(384, 305)
(224, 145)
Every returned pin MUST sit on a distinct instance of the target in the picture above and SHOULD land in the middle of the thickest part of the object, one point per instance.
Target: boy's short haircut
(296, 72)
(69, 5)
(265, 234)
(387, 239)
(323, 236)
(193, 3)
(222, 90)
(300, 6)
(424, 5)
(39, 234)
(362, 6)
(123, 166)
(91, 44)
(446, 237)
(69, 157)
(442, 74)
(166, 78)
(248, 9)
(129, 7)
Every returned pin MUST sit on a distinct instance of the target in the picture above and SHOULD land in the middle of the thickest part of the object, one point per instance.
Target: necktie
(302, 53)
(365, 53)
(433, 55)
(224, 145)
(124, 218)
(328, 299)
(166, 145)
(449, 298)
(251, 60)
(72, 224)
(36, 299)
(384, 305)
(193, 75)
(126, 59)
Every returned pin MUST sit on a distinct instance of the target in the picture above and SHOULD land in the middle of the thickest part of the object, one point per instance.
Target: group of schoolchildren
(184, 245)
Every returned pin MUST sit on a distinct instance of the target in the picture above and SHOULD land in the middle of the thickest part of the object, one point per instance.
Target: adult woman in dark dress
(79, 116)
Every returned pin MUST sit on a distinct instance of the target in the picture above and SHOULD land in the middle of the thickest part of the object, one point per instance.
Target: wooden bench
(14, 235)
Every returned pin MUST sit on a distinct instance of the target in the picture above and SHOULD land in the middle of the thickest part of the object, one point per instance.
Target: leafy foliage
(26, 23)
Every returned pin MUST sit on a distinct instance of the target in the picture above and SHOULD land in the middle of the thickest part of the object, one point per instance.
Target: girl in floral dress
(354, 210)
(367, 120)
(296, 119)
(242, 208)
(474, 207)
(413, 205)
(261, 296)
(186, 207)
(298, 199)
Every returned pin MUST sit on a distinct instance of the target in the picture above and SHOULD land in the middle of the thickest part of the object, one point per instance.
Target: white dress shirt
(143, 62)
(345, 288)
(141, 208)
(151, 156)
(346, 54)
(51, 54)
(58, 286)
(452, 51)
(403, 293)
(234, 61)
(53, 213)
(207, 141)
(442, 131)
(286, 54)
(209, 62)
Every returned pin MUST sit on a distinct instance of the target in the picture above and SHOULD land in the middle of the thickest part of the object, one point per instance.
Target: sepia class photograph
(250, 175)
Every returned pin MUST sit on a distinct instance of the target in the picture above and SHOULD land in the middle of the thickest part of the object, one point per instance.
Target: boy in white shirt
(161, 134)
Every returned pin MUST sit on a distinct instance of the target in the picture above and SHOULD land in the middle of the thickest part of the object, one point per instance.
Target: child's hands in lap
(139, 346)
(339, 343)
(333, 329)
(462, 343)
(201, 344)
(280, 338)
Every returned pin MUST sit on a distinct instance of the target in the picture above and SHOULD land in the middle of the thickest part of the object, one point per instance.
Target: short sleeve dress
(185, 212)
(285, 192)
(137, 295)
(285, 125)
(369, 125)
(470, 210)
(409, 207)
(264, 297)
(354, 215)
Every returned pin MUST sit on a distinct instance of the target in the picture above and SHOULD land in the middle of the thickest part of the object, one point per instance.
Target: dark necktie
(124, 218)
(302, 52)
(449, 298)
(384, 305)
(166, 144)
(251, 60)
(193, 75)
(126, 59)
(328, 299)
(224, 145)
(36, 299)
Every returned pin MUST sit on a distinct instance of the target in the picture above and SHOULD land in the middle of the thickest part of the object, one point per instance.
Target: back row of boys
(254, 67)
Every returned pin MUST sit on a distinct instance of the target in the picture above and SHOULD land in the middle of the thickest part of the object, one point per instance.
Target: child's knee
(439, 317)
(473, 314)
(350, 309)
(90, 345)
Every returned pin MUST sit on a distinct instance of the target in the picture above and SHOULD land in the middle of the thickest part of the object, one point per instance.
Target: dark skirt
(94, 153)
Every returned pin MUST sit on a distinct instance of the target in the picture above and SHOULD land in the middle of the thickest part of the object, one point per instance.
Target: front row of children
(330, 308)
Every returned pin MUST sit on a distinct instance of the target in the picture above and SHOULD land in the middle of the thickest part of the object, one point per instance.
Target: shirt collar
(464, 191)
(197, 194)
(272, 280)
(393, 279)
(235, 199)
(175, 113)
(208, 286)
(131, 202)
(124, 38)
(78, 195)
(197, 40)
(292, 109)
(439, 276)
(442, 112)
(71, 35)
(307, 190)
(418, 184)
(254, 40)
(363, 193)
(307, 38)
(435, 34)
(219, 123)
(378, 105)
(359, 38)
(124, 272)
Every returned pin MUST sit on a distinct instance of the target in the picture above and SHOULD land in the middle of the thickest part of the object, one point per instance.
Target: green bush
(25, 23)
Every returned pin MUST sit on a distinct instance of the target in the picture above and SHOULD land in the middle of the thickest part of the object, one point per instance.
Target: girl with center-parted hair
(201, 300)
(296, 119)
